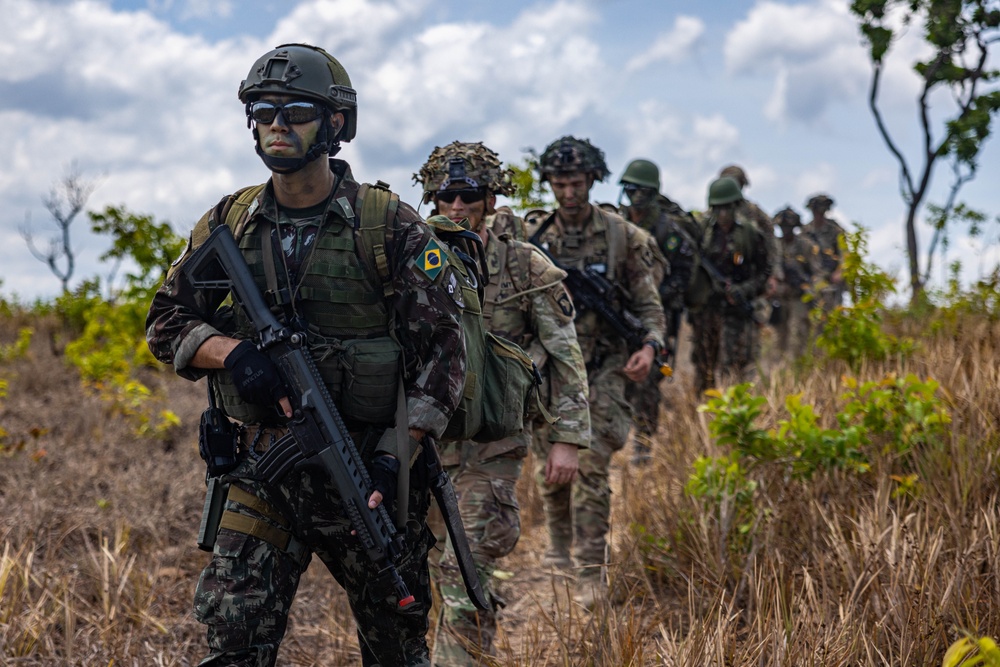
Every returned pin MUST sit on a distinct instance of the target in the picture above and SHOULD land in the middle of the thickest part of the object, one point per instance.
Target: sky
(139, 97)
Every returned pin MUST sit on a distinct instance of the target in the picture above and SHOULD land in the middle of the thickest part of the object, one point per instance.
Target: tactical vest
(745, 240)
(349, 322)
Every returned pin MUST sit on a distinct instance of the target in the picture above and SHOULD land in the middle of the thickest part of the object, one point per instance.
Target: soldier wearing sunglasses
(588, 237)
(526, 303)
(299, 235)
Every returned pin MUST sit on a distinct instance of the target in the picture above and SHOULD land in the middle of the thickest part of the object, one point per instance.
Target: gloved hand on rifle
(385, 474)
(256, 377)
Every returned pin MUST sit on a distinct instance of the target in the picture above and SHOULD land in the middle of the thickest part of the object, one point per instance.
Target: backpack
(500, 377)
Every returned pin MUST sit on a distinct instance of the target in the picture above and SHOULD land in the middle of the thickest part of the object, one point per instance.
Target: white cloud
(670, 47)
(815, 56)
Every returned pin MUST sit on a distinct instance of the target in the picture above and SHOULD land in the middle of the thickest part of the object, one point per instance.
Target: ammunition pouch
(370, 378)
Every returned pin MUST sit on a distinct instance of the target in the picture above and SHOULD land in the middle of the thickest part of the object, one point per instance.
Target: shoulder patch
(432, 259)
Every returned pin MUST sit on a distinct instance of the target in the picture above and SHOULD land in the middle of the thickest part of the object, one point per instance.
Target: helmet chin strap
(289, 165)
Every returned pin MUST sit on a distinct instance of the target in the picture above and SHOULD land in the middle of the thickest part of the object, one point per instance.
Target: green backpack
(500, 378)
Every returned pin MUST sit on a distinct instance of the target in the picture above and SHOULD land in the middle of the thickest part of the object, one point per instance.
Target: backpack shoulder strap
(240, 207)
(617, 240)
(376, 206)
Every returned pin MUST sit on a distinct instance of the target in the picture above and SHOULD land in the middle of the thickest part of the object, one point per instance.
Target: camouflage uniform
(799, 261)
(676, 233)
(525, 302)
(824, 236)
(719, 327)
(578, 514)
(245, 593)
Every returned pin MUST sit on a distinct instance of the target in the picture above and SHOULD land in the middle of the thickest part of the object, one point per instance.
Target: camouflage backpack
(500, 377)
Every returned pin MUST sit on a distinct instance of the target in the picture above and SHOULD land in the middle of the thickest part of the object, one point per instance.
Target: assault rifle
(317, 433)
(592, 291)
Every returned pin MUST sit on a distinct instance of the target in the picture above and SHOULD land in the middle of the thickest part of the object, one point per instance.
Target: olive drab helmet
(570, 155)
(308, 72)
(471, 165)
(724, 191)
(736, 173)
(643, 173)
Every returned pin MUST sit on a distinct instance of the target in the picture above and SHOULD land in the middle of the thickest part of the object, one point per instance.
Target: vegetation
(961, 35)
(844, 512)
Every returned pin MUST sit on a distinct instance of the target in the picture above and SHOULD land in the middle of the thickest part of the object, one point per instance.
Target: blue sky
(141, 95)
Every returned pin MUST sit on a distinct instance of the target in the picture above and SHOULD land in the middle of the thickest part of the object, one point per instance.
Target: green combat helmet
(723, 191)
(788, 218)
(308, 72)
(570, 155)
(821, 201)
(642, 173)
(471, 165)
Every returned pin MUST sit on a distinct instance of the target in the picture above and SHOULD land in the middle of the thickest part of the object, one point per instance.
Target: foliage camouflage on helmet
(471, 164)
(305, 71)
(819, 200)
(736, 173)
(643, 173)
(570, 155)
(723, 191)
(787, 217)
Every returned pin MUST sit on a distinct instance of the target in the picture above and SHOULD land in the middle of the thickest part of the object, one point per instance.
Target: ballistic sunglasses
(468, 195)
(293, 112)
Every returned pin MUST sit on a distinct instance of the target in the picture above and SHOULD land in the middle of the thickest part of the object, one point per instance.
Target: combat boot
(591, 591)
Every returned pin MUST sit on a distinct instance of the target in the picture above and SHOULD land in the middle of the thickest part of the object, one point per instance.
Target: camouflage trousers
(645, 398)
(793, 331)
(487, 500)
(578, 514)
(724, 348)
(245, 593)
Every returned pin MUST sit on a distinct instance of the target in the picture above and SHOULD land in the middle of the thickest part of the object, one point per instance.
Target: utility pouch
(510, 380)
(211, 515)
(217, 438)
(371, 368)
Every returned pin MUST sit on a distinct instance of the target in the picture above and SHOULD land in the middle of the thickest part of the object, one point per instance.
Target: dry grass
(98, 564)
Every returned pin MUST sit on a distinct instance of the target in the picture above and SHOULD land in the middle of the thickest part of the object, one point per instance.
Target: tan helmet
(736, 173)
(471, 164)
(569, 155)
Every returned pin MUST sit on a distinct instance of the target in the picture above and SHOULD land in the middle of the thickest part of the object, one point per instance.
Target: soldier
(526, 303)
(676, 233)
(798, 260)
(750, 212)
(824, 232)
(298, 237)
(584, 236)
(733, 270)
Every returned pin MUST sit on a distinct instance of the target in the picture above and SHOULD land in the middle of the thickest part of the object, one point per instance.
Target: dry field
(98, 563)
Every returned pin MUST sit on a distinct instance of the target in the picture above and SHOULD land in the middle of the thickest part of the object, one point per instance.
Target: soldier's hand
(385, 474)
(639, 364)
(562, 463)
(256, 377)
(772, 287)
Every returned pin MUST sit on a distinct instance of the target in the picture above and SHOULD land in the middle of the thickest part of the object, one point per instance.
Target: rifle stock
(316, 425)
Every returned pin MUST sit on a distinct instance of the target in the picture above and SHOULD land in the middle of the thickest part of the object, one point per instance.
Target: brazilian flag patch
(431, 260)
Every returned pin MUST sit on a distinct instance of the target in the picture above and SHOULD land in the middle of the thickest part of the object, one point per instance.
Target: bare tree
(961, 33)
(64, 202)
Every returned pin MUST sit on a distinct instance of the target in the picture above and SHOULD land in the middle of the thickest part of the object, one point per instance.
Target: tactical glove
(256, 377)
(385, 471)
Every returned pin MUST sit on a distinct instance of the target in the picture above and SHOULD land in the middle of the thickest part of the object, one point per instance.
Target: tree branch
(904, 169)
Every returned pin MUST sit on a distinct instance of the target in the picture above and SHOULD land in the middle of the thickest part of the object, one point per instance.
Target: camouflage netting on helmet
(570, 155)
(736, 173)
(471, 165)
